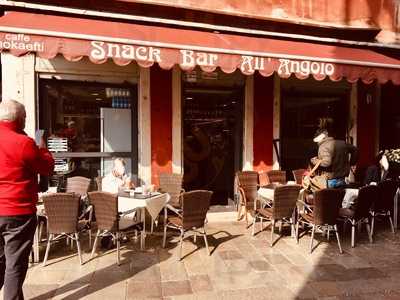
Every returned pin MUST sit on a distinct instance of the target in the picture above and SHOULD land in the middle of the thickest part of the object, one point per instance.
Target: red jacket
(20, 163)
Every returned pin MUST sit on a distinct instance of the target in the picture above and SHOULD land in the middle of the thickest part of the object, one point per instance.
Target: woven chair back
(105, 209)
(298, 175)
(367, 196)
(387, 190)
(263, 178)
(62, 211)
(248, 181)
(78, 185)
(172, 184)
(285, 198)
(326, 206)
(277, 176)
(195, 205)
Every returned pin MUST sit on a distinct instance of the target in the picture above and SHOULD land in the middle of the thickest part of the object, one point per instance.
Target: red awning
(21, 33)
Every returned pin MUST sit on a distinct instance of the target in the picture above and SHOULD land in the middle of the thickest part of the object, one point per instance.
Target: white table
(153, 205)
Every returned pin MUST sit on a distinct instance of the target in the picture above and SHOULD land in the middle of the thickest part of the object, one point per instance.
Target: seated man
(117, 179)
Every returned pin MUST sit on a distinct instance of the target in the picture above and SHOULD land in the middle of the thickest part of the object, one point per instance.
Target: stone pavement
(241, 267)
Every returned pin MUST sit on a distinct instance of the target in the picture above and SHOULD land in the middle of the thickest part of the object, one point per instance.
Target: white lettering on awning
(21, 42)
(101, 50)
(305, 67)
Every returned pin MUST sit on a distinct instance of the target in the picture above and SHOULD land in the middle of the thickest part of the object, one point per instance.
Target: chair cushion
(265, 212)
(307, 217)
(175, 221)
(346, 212)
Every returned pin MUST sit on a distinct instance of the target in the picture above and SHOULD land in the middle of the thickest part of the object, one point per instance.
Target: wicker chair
(195, 205)
(172, 184)
(298, 175)
(248, 185)
(107, 218)
(78, 185)
(324, 215)
(283, 208)
(277, 176)
(62, 211)
(384, 203)
(360, 214)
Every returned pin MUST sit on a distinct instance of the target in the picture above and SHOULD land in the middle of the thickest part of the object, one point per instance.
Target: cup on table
(152, 188)
(145, 190)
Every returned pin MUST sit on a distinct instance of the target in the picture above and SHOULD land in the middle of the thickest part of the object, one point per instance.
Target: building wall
(367, 124)
(263, 122)
(364, 13)
(161, 126)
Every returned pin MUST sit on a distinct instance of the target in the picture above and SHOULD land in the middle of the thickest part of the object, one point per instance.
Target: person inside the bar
(117, 179)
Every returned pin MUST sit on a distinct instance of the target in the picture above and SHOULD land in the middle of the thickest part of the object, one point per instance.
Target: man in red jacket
(21, 160)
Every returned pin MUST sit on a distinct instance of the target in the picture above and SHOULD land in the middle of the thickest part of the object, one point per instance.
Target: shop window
(86, 125)
(303, 104)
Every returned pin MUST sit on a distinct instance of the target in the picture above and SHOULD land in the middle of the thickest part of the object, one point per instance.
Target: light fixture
(95, 94)
(99, 99)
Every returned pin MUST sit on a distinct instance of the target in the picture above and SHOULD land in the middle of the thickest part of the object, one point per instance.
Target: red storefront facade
(265, 62)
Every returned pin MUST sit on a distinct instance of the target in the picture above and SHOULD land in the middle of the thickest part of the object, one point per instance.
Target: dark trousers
(16, 237)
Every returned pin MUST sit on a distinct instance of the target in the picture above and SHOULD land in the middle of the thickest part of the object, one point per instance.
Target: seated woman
(117, 179)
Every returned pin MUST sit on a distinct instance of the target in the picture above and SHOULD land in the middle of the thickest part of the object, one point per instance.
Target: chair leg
(118, 249)
(78, 246)
(372, 223)
(194, 237)
(368, 230)
(328, 232)
(40, 230)
(261, 224)
(254, 225)
(246, 217)
(90, 238)
(164, 236)
(338, 239)
(240, 207)
(206, 242)
(391, 222)
(46, 255)
(272, 232)
(353, 233)
(181, 244)
(312, 238)
(95, 244)
(280, 226)
(297, 232)
(152, 226)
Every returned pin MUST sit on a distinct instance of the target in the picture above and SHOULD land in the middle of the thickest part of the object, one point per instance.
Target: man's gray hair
(11, 110)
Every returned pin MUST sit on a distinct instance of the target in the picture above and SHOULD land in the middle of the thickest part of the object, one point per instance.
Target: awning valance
(100, 40)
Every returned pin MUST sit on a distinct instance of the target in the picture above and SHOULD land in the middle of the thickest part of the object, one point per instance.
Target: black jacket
(344, 156)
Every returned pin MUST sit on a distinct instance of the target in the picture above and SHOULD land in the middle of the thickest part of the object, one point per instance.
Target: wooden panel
(161, 127)
(263, 122)
(367, 127)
